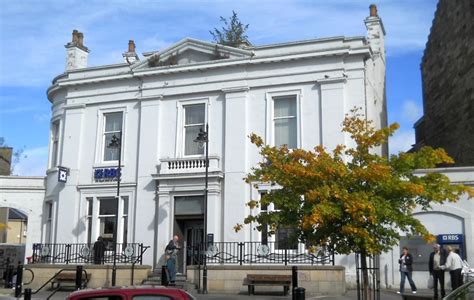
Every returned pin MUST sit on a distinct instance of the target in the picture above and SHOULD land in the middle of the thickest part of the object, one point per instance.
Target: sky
(33, 34)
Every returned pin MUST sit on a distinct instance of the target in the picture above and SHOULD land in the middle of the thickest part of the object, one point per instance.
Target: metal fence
(83, 253)
(248, 253)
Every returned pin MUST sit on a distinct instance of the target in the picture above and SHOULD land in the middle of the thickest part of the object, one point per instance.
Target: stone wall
(448, 82)
(317, 280)
(100, 275)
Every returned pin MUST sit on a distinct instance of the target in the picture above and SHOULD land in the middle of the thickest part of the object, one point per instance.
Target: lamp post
(203, 140)
(116, 142)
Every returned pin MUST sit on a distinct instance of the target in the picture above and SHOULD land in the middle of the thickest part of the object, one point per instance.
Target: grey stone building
(447, 70)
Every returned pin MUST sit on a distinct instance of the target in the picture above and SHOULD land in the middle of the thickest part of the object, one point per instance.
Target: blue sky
(33, 34)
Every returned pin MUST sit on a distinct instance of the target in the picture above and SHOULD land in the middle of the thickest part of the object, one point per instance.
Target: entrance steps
(154, 278)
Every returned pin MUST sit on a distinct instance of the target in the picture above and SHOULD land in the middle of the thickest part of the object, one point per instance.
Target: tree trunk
(365, 276)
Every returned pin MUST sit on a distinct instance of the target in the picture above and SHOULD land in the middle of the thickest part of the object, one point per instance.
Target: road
(350, 295)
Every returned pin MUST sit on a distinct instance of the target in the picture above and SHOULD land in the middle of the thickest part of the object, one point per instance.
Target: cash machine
(456, 241)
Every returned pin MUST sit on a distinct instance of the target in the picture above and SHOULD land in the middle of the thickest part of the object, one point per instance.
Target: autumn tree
(350, 199)
(233, 33)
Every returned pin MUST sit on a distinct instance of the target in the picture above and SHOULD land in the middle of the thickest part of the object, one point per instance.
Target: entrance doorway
(189, 226)
(192, 232)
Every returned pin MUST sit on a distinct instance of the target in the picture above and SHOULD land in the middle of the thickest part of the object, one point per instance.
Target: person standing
(437, 259)
(99, 251)
(454, 266)
(172, 255)
(406, 269)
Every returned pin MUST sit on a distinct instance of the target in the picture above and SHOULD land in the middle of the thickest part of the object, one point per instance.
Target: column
(144, 225)
(235, 162)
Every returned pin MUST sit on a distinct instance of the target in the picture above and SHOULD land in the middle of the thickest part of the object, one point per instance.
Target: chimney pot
(74, 36)
(80, 39)
(373, 10)
(131, 46)
(76, 53)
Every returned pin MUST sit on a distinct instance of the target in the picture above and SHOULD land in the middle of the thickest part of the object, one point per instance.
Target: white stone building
(25, 194)
(294, 93)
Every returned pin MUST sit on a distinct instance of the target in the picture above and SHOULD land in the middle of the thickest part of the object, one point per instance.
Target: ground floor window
(285, 239)
(101, 217)
(108, 208)
(49, 218)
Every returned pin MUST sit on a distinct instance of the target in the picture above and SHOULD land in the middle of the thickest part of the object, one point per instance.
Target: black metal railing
(83, 253)
(248, 253)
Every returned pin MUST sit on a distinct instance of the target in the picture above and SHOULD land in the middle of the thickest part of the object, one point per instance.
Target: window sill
(112, 164)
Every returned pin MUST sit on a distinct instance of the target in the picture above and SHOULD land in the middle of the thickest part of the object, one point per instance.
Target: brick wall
(448, 80)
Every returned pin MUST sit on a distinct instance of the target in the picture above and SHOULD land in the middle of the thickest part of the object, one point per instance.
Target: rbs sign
(105, 174)
(450, 238)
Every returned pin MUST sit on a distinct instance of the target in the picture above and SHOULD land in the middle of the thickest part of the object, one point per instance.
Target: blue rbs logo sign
(106, 174)
(450, 238)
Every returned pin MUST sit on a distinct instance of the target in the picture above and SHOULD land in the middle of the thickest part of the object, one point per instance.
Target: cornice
(346, 50)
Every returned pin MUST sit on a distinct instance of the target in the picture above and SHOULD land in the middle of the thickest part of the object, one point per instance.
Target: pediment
(189, 51)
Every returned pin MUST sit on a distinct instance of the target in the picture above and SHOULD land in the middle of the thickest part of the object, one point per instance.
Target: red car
(132, 293)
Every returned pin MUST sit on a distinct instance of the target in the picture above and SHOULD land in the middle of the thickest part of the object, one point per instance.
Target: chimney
(130, 56)
(375, 31)
(76, 52)
(6, 160)
(373, 10)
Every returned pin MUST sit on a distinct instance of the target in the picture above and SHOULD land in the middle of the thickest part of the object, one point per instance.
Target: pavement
(350, 295)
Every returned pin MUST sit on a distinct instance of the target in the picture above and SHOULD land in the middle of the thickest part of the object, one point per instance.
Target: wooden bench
(69, 277)
(269, 280)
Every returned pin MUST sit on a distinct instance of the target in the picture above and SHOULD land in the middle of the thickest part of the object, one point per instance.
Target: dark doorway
(192, 233)
(189, 226)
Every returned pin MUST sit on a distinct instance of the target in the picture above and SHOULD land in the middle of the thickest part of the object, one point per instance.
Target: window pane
(89, 230)
(190, 205)
(113, 122)
(55, 142)
(125, 205)
(194, 114)
(285, 133)
(108, 206)
(110, 153)
(190, 146)
(285, 107)
(151, 297)
(107, 225)
(125, 230)
(89, 206)
(285, 239)
(50, 210)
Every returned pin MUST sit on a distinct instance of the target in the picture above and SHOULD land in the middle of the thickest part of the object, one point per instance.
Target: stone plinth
(317, 280)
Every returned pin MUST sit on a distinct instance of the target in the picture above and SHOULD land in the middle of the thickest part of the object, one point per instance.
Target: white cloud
(34, 164)
(411, 111)
(402, 140)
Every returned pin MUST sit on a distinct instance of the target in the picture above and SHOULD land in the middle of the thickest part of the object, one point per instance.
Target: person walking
(406, 269)
(171, 257)
(437, 259)
(99, 251)
(454, 266)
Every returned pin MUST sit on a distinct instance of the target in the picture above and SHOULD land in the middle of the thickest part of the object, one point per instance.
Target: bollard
(164, 276)
(27, 294)
(294, 280)
(300, 293)
(9, 277)
(78, 277)
(19, 279)
(5, 274)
